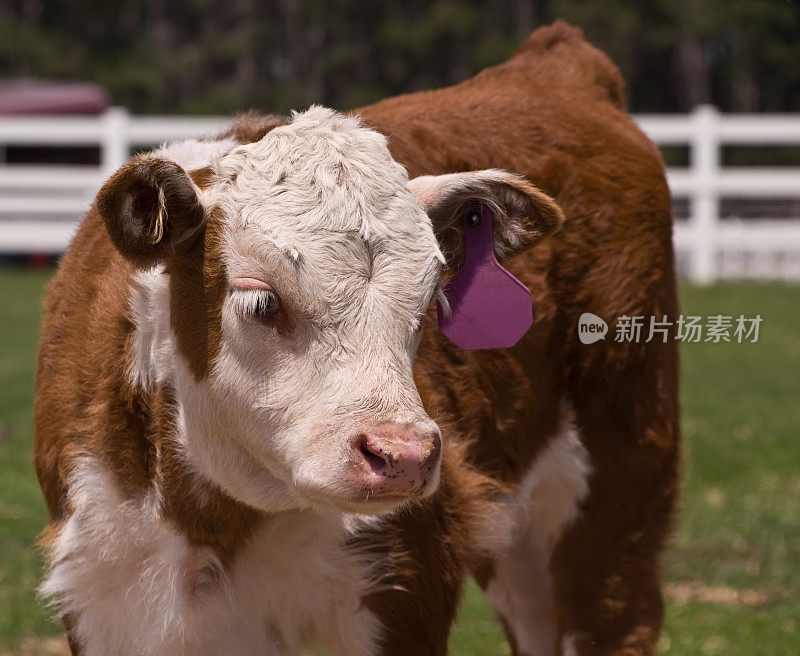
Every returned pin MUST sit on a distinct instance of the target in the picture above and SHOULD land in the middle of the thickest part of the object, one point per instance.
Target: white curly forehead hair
(325, 191)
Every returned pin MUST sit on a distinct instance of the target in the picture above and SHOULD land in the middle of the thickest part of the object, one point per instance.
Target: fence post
(704, 162)
(115, 145)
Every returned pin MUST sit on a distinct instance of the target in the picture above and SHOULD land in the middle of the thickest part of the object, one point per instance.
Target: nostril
(374, 457)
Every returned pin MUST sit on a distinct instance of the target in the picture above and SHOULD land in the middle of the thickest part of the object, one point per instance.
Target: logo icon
(591, 328)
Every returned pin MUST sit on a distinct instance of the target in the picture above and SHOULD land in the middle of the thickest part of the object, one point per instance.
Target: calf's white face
(330, 266)
(300, 271)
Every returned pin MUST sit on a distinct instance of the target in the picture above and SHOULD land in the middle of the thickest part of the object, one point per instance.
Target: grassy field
(733, 570)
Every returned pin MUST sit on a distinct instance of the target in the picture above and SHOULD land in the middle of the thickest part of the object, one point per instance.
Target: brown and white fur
(238, 381)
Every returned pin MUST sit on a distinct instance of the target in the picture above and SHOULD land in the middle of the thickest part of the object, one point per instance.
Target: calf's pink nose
(398, 460)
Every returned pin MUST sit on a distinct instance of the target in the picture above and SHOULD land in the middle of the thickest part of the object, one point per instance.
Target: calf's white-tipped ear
(522, 214)
(150, 206)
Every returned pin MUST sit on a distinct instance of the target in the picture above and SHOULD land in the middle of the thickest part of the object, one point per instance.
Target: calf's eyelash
(248, 303)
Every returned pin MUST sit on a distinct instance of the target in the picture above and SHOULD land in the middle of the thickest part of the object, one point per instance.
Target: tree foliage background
(212, 56)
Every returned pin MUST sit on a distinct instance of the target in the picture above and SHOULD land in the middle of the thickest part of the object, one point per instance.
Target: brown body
(554, 114)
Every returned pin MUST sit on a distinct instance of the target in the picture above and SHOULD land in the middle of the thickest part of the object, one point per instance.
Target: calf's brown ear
(521, 213)
(150, 207)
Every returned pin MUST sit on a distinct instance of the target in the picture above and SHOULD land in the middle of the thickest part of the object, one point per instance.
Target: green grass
(740, 519)
(22, 509)
(734, 565)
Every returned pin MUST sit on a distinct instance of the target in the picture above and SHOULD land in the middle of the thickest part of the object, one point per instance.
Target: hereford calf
(237, 447)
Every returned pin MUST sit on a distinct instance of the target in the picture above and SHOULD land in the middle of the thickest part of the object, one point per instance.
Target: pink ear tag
(491, 309)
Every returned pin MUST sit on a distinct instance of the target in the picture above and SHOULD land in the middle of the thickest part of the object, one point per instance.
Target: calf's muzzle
(398, 460)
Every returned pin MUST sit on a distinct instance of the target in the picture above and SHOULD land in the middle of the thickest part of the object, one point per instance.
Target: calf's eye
(265, 303)
(256, 305)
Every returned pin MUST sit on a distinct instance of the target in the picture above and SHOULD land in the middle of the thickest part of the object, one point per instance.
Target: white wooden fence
(734, 247)
(41, 205)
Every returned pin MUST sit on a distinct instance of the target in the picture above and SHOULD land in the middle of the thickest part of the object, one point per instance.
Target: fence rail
(41, 205)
